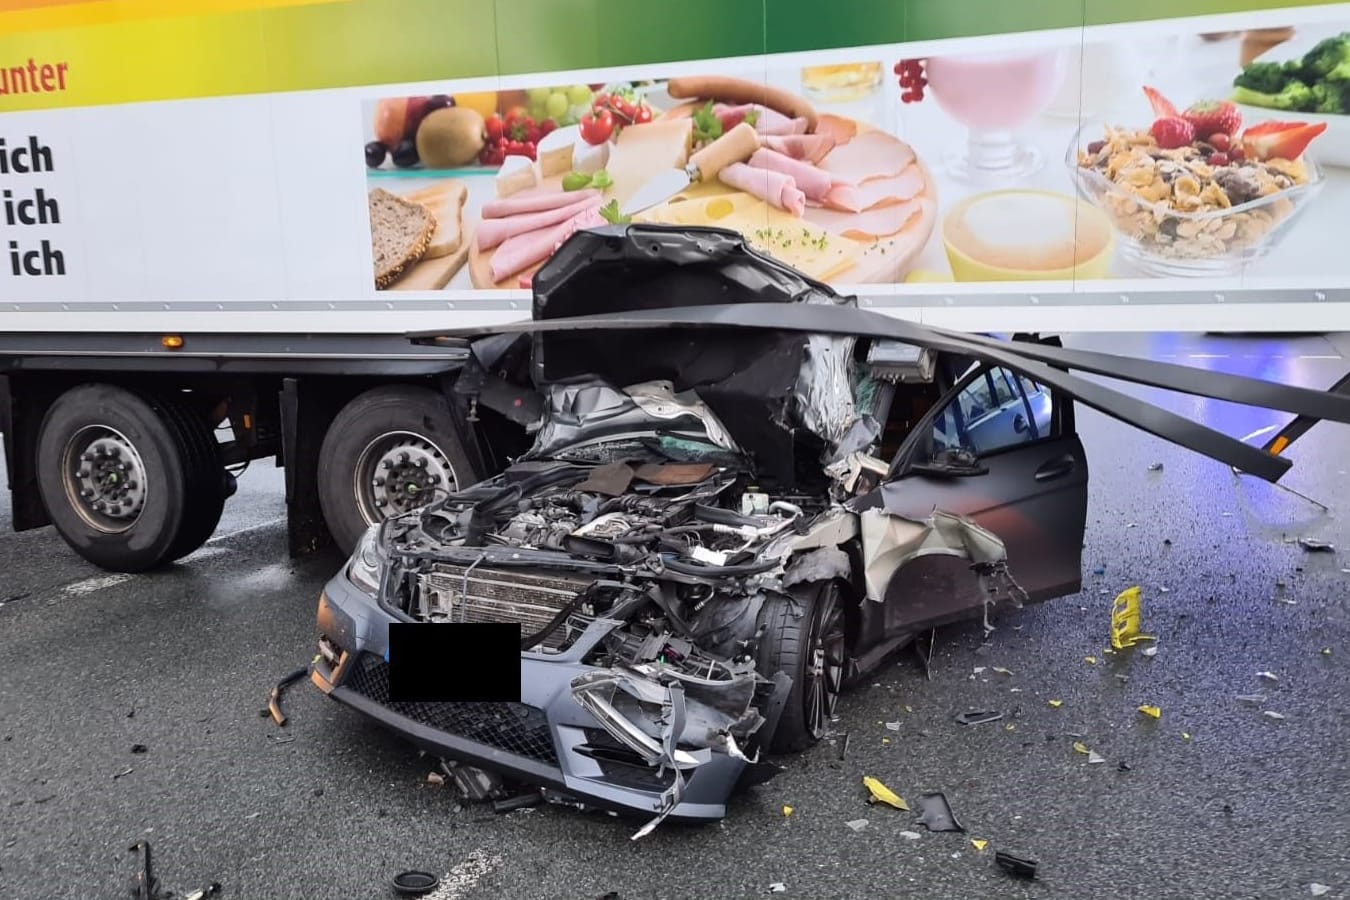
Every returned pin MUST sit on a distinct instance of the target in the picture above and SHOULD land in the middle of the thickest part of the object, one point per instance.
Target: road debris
(1185, 735)
(1272, 714)
(1150, 651)
(274, 698)
(892, 726)
(1312, 545)
(936, 814)
(415, 884)
(1002, 671)
(978, 718)
(1317, 890)
(1155, 467)
(978, 844)
(787, 811)
(777, 887)
(1125, 619)
(1017, 866)
(522, 801)
(1268, 676)
(1252, 698)
(1326, 651)
(139, 748)
(910, 835)
(1090, 660)
(145, 885)
(1093, 756)
(1123, 766)
(124, 773)
(1153, 712)
(843, 745)
(882, 794)
(857, 824)
(435, 778)
(1055, 704)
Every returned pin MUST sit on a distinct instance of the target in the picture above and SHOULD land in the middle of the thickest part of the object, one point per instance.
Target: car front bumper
(547, 739)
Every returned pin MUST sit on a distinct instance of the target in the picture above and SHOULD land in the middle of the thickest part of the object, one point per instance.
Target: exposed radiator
(499, 595)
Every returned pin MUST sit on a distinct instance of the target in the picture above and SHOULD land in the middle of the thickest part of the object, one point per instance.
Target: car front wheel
(804, 637)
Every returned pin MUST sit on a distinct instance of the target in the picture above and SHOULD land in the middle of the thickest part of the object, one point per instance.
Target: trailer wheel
(389, 451)
(130, 482)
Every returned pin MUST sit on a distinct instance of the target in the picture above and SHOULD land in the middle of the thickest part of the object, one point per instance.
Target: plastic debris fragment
(1317, 890)
(1326, 651)
(1155, 467)
(978, 844)
(787, 810)
(1018, 866)
(435, 778)
(857, 824)
(892, 726)
(1002, 671)
(1252, 698)
(936, 814)
(1185, 736)
(1090, 660)
(1268, 676)
(1125, 618)
(910, 835)
(1152, 712)
(979, 670)
(882, 794)
(1010, 727)
(1312, 545)
(1056, 704)
(1080, 747)
(1100, 570)
(978, 718)
(1272, 714)
(909, 709)
(1095, 758)
(1149, 651)
(777, 887)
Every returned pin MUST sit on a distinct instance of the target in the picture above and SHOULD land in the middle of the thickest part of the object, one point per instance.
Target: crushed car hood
(700, 307)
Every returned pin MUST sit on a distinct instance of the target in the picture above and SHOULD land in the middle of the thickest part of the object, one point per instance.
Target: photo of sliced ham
(774, 188)
(492, 232)
(520, 251)
(809, 148)
(837, 128)
(767, 121)
(871, 225)
(814, 183)
(872, 154)
(876, 191)
(540, 202)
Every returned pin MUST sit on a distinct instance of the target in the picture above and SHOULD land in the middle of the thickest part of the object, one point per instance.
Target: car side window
(997, 409)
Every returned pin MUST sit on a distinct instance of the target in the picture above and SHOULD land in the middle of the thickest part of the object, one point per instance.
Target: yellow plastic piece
(1185, 736)
(1125, 615)
(787, 810)
(1010, 727)
(885, 740)
(882, 794)
(1002, 671)
(910, 709)
(1055, 703)
(978, 844)
(1090, 660)
(1326, 651)
(1080, 747)
(1152, 712)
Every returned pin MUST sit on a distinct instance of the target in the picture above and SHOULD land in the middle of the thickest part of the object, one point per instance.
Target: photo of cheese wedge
(811, 250)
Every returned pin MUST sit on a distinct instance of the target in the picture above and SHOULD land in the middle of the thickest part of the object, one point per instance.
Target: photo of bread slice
(446, 202)
(400, 232)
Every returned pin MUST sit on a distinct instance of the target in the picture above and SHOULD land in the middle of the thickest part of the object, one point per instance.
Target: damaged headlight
(366, 562)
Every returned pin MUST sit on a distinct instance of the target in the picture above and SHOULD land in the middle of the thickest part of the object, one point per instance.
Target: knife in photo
(737, 145)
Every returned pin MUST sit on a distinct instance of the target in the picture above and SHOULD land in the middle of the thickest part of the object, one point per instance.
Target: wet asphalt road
(1219, 800)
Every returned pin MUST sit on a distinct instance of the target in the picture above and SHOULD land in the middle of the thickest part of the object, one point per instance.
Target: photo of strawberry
(1211, 117)
(1172, 132)
(1280, 140)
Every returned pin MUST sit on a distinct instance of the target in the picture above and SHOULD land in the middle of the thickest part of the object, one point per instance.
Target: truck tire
(131, 482)
(387, 452)
(804, 637)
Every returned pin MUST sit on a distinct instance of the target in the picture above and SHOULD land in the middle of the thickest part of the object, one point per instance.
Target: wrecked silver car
(742, 493)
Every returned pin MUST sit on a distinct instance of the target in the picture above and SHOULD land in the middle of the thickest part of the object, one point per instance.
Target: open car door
(1000, 449)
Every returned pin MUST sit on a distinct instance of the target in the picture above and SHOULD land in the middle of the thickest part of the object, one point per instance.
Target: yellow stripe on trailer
(48, 15)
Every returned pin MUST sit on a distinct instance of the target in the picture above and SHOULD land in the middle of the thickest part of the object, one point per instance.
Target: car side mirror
(957, 463)
(1020, 423)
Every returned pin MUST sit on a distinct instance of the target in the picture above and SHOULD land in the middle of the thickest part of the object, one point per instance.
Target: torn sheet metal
(576, 412)
(890, 541)
(824, 393)
(935, 813)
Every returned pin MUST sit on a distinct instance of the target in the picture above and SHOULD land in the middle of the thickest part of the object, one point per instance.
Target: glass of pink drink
(994, 95)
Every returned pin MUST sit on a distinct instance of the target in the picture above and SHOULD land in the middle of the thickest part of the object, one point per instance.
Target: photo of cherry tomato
(597, 127)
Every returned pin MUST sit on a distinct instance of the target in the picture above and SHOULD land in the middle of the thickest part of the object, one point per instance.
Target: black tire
(796, 629)
(175, 454)
(416, 420)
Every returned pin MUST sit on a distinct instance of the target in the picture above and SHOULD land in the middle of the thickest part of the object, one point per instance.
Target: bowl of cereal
(1189, 210)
